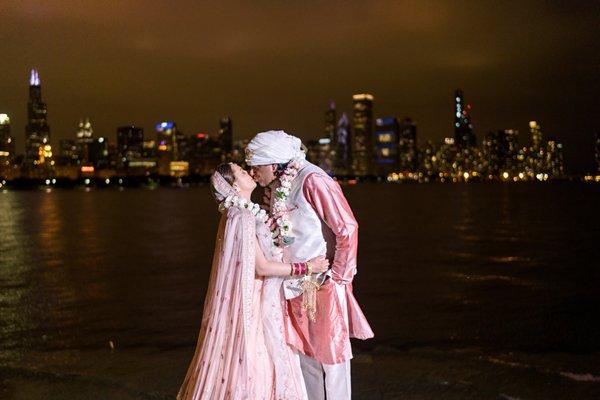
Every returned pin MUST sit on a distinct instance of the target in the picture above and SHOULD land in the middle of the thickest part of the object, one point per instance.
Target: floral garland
(244, 204)
(282, 226)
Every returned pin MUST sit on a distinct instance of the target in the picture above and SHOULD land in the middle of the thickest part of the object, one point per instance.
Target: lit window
(385, 137)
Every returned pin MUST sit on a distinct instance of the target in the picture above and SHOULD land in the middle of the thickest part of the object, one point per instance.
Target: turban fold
(273, 147)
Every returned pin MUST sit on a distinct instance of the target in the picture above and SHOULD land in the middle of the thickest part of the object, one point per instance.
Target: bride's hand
(319, 264)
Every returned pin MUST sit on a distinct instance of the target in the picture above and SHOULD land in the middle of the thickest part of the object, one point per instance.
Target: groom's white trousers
(328, 381)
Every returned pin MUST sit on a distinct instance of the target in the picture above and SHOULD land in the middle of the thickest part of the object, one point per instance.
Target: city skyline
(533, 61)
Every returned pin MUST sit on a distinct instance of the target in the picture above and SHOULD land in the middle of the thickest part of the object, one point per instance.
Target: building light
(384, 137)
(505, 175)
(362, 97)
(87, 181)
(87, 168)
(4, 154)
(4, 119)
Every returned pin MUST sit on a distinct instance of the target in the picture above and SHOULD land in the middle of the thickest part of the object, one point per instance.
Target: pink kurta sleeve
(326, 197)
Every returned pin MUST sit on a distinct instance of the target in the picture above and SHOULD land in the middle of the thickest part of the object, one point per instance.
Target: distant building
(37, 130)
(501, 149)
(68, 152)
(361, 143)
(407, 146)
(341, 156)
(386, 145)
(98, 155)
(130, 141)
(330, 122)
(7, 143)
(554, 158)
(536, 136)
(319, 153)
(84, 137)
(204, 154)
(463, 128)
(225, 136)
(428, 161)
(535, 155)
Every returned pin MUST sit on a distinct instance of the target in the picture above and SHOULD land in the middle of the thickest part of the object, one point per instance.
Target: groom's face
(263, 174)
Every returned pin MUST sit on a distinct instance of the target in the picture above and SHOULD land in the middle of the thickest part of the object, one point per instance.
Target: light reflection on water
(496, 266)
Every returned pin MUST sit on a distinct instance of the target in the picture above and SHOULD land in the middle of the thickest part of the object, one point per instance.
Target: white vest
(312, 237)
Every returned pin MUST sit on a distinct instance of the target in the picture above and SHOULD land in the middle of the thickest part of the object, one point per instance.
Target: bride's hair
(227, 173)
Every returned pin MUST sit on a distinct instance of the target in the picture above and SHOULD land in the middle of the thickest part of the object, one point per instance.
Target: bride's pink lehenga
(231, 359)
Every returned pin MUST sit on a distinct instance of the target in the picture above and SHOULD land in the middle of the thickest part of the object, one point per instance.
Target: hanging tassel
(310, 286)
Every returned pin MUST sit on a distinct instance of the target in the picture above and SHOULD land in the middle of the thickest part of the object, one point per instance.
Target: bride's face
(242, 179)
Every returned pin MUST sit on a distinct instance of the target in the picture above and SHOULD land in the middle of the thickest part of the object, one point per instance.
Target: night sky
(274, 64)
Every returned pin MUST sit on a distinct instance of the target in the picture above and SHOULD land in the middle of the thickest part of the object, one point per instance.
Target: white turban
(273, 147)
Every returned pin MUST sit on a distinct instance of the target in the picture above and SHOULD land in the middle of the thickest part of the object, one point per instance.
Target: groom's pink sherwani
(327, 339)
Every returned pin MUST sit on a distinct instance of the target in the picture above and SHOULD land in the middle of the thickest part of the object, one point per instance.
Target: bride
(241, 351)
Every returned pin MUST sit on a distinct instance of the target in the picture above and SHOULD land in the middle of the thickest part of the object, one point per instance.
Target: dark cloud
(277, 64)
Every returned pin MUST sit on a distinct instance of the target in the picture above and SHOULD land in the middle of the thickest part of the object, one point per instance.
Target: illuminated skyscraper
(7, 143)
(501, 149)
(407, 145)
(342, 147)
(361, 143)
(225, 136)
(37, 131)
(554, 158)
(330, 121)
(130, 140)
(535, 157)
(319, 153)
(68, 152)
(98, 153)
(386, 145)
(84, 137)
(463, 128)
(536, 136)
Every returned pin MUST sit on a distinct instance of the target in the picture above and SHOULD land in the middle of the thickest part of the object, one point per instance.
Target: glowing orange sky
(277, 64)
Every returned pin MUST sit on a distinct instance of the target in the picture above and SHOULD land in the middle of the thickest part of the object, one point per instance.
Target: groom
(316, 220)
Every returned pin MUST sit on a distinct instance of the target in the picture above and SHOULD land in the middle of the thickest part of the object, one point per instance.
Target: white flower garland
(244, 204)
(283, 226)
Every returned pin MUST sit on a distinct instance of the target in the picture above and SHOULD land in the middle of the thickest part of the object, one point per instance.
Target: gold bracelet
(308, 268)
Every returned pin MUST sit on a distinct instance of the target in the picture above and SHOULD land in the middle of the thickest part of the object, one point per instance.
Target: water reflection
(15, 279)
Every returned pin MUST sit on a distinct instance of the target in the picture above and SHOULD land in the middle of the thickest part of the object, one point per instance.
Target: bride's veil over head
(221, 188)
(226, 352)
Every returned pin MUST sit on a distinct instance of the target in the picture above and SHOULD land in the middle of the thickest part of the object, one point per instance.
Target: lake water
(474, 291)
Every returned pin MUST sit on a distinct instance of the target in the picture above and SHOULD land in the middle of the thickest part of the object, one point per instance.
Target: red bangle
(299, 269)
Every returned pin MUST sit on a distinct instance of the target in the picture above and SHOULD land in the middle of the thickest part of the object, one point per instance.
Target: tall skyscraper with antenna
(37, 130)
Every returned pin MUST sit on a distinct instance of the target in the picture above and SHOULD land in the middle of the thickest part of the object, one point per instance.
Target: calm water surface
(473, 291)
